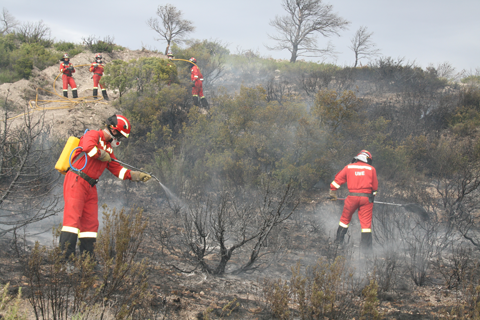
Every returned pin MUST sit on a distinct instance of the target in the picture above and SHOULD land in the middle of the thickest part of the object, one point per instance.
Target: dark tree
(35, 32)
(7, 22)
(362, 45)
(297, 30)
(171, 26)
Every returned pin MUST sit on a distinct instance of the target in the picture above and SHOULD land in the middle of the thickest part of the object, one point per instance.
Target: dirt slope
(87, 114)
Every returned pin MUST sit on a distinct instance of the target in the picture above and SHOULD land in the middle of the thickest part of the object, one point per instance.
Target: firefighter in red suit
(361, 179)
(97, 69)
(80, 215)
(67, 69)
(197, 87)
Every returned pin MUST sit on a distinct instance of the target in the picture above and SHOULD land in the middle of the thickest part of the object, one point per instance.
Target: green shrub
(96, 45)
(13, 312)
(471, 79)
(68, 47)
(64, 46)
(370, 304)
(18, 59)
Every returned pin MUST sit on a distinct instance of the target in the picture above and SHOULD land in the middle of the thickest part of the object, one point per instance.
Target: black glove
(70, 68)
(95, 65)
(193, 84)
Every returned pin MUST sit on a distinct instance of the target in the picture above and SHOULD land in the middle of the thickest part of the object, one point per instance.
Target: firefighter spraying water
(93, 155)
(197, 86)
(361, 179)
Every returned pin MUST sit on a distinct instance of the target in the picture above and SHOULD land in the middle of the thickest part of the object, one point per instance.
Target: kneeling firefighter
(93, 155)
(361, 179)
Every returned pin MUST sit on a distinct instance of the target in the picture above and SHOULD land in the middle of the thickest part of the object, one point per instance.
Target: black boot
(366, 246)
(195, 101)
(204, 102)
(95, 93)
(65, 94)
(341, 232)
(104, 94)
(87, 245)
(74, 93)
(68, 241)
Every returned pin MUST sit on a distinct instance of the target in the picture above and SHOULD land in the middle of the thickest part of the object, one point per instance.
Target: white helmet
(364, 156)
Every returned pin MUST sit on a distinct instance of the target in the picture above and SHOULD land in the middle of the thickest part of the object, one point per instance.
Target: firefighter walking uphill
(361, 179)
(197, 86)
(97, 68)
(67, 70)
(93, 155)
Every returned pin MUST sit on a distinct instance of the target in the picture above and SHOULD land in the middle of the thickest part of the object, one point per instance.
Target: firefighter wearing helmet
(97, 67)
(361, 178)
(94, 155)
(67, 70)
(197, 86)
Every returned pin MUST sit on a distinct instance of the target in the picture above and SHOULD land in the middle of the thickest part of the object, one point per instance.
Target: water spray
(168, 193)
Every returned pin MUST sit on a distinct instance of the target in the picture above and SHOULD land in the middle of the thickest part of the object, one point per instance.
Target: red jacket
(92, 142)
(64, 66)
(196, 74)
(360, 178)
(98, 69)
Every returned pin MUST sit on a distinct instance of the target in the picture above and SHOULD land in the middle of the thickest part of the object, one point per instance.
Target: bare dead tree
(362, 45)
(458, 186)
(171, 27)
(34, 32)
(421, 240)
(230, 224)
(298, 29)
(8, 23)
(27, 177)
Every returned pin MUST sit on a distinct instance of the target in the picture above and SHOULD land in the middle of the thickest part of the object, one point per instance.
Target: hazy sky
(424, 31)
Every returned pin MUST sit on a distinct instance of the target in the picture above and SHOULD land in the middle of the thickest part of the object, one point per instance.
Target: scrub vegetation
(244, 229)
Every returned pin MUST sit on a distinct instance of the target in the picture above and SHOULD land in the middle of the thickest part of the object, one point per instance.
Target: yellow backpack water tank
(63, 162)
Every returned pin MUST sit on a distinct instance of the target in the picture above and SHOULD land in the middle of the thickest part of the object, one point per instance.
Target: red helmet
(119, 123)
(192, 59)
(364, 156)
(98, 56)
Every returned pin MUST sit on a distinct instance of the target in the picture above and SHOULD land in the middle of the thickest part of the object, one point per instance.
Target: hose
(70, 160)
(128, 165)
(72, 103)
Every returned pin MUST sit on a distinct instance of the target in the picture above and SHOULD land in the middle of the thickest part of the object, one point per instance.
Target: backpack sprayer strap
(83, 175)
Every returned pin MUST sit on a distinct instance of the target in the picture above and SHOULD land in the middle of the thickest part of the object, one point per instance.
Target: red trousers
(365, 209)
(81, 206)
(68, 81)
(198, 89)
(96, 80)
